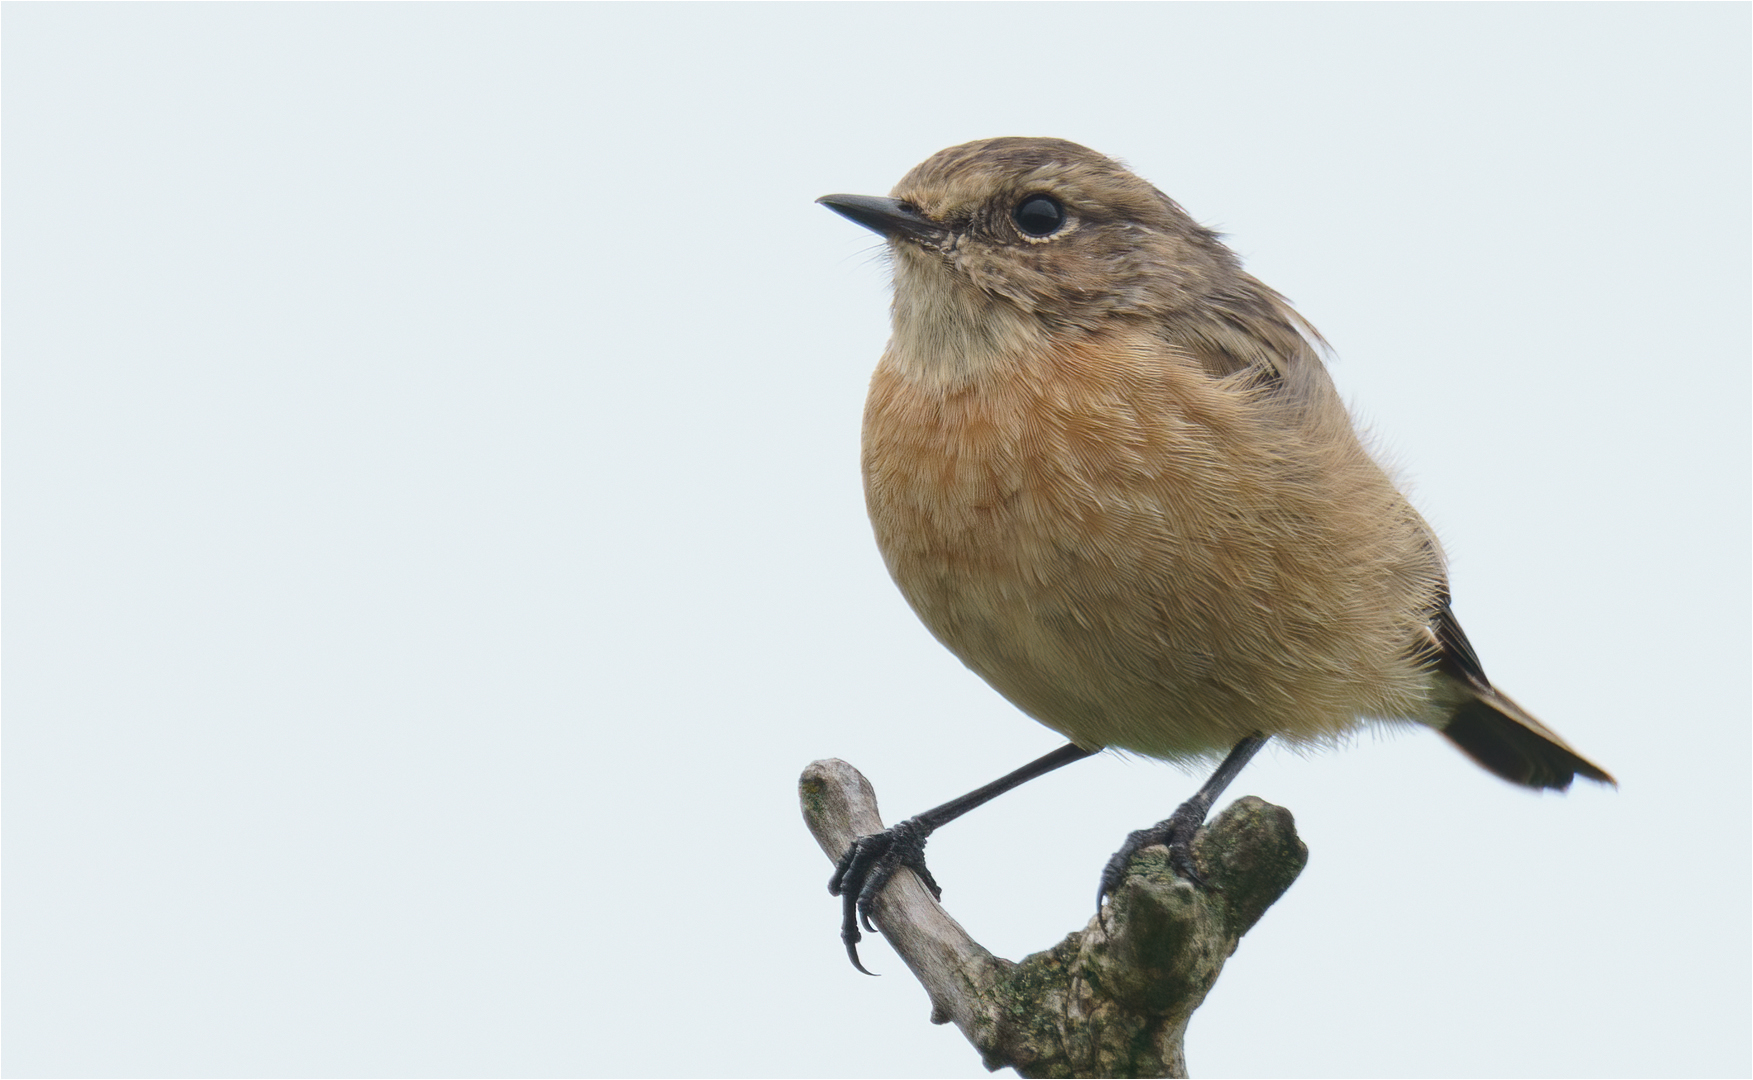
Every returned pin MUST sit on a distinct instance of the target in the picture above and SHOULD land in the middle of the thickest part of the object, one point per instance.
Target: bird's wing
(1451, 651)
(1247, 327)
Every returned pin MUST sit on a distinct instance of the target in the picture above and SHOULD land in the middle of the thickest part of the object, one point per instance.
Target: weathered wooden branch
(1106, 1001)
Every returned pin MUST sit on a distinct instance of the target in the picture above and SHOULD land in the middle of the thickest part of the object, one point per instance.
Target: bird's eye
(1039, 215)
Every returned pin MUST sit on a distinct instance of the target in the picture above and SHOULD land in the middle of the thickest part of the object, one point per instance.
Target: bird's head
(1048, 227)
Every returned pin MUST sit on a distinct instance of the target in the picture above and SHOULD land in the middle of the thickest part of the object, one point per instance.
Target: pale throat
(949, 333)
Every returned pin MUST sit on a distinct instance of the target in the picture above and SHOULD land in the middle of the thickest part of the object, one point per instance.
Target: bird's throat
(949, 334)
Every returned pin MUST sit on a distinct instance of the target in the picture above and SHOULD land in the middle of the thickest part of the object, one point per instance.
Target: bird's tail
(1501, 736)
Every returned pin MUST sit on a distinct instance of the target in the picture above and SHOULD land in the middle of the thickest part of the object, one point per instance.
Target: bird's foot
(867, 866)
(1176, 833)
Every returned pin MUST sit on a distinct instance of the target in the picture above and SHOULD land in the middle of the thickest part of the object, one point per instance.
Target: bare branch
(1102, 1002)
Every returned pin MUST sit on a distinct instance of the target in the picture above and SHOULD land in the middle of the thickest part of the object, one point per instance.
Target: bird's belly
(1134, 583)
(1082, 636)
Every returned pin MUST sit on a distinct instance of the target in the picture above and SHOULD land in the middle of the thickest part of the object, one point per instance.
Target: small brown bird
(1108, 470)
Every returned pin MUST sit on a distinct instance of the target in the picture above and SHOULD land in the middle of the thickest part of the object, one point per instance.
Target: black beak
(890, 217)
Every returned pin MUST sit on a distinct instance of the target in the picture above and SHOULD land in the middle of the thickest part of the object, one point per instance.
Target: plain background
(434, 542)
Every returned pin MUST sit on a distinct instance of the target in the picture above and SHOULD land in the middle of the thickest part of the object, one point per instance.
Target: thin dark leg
(872, 860)
(940, 816)
(1178, 829)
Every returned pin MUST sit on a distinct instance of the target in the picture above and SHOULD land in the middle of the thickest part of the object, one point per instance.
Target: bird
(1108, 470)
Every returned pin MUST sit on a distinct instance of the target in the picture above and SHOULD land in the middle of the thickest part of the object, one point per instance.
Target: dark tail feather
(1500, 735)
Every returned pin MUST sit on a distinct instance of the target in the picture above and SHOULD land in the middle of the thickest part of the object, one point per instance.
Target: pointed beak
(890, 217)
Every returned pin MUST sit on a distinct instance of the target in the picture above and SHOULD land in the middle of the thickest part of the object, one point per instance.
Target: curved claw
(1115, 872)
(918, 867)
(1181, 858)
(852, 953)
(867, 866)
(1176, 833)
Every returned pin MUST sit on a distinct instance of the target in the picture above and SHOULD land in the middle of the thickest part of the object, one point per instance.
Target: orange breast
(1133, 553)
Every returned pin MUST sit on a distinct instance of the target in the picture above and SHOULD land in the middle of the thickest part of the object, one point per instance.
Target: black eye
(1039, 215)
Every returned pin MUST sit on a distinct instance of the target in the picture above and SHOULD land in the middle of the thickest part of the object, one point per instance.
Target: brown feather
(1109, 471)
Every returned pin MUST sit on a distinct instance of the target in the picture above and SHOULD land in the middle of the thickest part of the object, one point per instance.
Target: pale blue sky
(434, 542)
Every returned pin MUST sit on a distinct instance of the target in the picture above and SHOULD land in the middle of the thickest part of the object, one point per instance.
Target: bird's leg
(872, 860)
(1176, 832)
